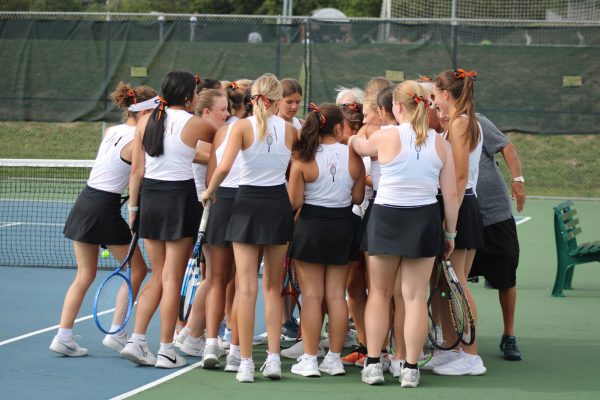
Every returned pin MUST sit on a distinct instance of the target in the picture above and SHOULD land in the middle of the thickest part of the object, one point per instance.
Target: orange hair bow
(161, 106)
(197, 79)
(256, 97)
(131, 93)
(312, 107)
(425, 78)
(233, 86)
(421, 99)
(460, 73)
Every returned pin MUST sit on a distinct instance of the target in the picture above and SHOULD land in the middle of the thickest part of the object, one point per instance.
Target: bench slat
(569, 214)
(563, 205)
(572, 223)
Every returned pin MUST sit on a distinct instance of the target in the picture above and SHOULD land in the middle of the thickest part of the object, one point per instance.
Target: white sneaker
(351, 339)
(396, 368)
(138, 353)
(223, 344)
(194, 348)
(332, 366)
(440, 357)
(179, 337)
(245, 372)
(466, 364)
(170, 360)
(211, 357)
(271, 369)
(297, 350)
(385, 362)
(258, 340)
(409, 378)
(68, 348)
(324, 343)
(232, 364)
(306, 366)
(372, 374)
(114, 342)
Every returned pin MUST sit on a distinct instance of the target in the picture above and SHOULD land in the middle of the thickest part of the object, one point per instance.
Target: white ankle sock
(234, 350)
(246, 361)
(119, 334)
(138, 337)
(194, 340)
(211, 341)
(166, 348)
(65, 334)
(273, 357)
(309, 357)
(334, 355)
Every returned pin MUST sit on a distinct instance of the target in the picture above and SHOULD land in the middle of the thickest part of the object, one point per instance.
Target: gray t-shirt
(492, 193)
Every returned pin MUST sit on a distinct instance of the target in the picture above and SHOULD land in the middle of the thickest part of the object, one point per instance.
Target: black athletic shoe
(509, 347)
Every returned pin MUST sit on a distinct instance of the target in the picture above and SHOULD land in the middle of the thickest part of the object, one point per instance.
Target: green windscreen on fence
(532, 77)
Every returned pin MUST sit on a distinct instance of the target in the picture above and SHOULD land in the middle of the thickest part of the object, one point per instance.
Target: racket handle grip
(205, 214)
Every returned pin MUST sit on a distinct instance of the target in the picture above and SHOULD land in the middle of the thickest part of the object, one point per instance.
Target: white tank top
(233, 178)
(359, 209)
(297, 124)
(474, 157)
(175, 164)
(412, 178)
(333, 186)
(110, 173)
(376, 167)
(265, 162)
(199, 178)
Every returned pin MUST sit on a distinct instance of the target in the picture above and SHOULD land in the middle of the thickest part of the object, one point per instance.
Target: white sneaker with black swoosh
(68, 348)
(137, 352)
(169, 360)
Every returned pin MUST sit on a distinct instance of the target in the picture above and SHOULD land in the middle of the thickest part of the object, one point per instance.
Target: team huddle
(362, 196)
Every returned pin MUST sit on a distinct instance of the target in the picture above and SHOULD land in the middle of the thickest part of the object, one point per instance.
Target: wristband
(133, 209)
(519, 179)
(450, 235)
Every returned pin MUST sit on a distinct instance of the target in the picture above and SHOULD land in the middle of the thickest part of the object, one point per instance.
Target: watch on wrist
(519, 179)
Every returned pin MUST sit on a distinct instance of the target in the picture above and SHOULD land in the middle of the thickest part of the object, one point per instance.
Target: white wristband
(133, 209)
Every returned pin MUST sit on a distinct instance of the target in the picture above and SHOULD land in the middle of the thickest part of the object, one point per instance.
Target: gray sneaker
(372, 374)
(271, 369)
(68, 348)
(233, 363)
(211, 357)
(409, 378)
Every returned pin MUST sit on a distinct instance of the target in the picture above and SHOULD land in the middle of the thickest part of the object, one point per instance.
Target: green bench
(568, 252)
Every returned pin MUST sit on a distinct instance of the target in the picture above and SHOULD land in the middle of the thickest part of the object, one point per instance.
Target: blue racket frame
(127, 277)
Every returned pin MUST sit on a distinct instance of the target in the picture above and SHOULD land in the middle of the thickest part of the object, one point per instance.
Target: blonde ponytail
(412, 98)
(266, 91)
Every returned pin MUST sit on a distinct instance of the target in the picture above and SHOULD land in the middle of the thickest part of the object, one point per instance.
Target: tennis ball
(485, 42)
(105, 253)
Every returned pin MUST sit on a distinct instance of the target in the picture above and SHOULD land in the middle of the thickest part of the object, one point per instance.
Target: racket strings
(113, 304)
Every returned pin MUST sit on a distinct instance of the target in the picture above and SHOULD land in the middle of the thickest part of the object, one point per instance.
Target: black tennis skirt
(261, 215)
(412, 232)
(220, 214)
(169, 210)
(96, 219)
(469, 227)
(355, 251)
(324, 235)
(362, 232)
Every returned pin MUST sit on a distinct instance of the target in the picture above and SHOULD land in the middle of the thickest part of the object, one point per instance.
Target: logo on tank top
(332, 163)
(418, 150)
(269, 139)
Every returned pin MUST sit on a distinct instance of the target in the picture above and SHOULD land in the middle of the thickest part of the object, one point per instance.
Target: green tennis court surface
(558, 338)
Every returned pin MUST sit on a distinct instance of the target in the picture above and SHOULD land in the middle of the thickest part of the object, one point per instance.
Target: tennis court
(558, 337)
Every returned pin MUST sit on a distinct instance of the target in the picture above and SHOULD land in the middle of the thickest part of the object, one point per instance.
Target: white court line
(522, 221)
(8, 223)
(30, 334)
(157, 382)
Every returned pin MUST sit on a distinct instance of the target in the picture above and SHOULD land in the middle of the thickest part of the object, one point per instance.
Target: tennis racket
(467, 336)
(114, 298)
(192, 277)
(291, 289)
(446, 316)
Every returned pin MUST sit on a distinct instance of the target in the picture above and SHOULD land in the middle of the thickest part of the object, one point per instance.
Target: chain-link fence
(534, 76)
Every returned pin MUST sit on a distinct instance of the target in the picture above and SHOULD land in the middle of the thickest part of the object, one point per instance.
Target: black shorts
(261, 215)
(169, 210)
(96, 219)
(412, 232)
(324, 235)
(499, 259)
(469, 226)
(220, 215)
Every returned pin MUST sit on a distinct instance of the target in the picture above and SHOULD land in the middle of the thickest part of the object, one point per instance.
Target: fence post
(454, 34)
(106, 64)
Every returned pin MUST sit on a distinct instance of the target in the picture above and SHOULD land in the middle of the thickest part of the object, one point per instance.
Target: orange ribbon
(233, 86)
(460, 73)
(131, 93)
(425, 78)
(312, 107)
(197, 79)
(161, 106)
(421, 99)
(256, 97)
